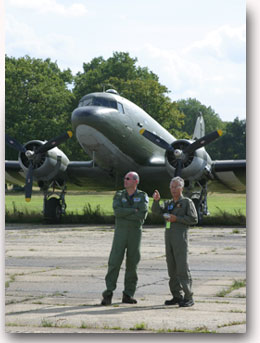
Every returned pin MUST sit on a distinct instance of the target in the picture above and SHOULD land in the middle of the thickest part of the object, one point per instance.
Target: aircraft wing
(14, 173)
(88, 175)
(229, 165)
(232, 173)
(77, 175)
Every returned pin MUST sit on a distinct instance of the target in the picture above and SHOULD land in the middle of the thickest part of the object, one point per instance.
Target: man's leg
(115, 260)
(181, 258)
(174, 283)
(132, 259)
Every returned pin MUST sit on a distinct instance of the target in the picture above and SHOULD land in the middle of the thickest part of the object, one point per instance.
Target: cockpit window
(120, 107)
(86, 102)
(98, 101)
(104, 102)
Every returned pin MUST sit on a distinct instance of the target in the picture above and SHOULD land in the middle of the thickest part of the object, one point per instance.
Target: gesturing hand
(156, 195)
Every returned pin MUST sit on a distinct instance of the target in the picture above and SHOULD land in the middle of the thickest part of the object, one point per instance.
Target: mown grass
(75, 202)
(229, 202)
(225, 209)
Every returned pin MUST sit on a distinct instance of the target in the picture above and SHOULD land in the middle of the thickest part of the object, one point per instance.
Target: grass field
(230, 202)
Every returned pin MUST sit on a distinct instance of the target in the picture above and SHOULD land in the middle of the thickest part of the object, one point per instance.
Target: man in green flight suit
(130, 207)
(179, 213)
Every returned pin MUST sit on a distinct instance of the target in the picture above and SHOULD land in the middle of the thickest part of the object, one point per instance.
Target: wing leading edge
(77, 175)
(232, 173)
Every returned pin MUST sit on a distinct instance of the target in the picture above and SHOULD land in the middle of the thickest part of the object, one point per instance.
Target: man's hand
(172, 218)
(156, 195)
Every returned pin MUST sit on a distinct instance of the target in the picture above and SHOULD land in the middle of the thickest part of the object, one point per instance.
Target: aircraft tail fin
(199, 130)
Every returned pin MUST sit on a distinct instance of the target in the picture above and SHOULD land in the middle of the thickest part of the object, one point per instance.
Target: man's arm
(119, 210)
(141, 210)
(159, 209)
(191, 217)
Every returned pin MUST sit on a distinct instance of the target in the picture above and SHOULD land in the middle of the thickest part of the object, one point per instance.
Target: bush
(97, 216)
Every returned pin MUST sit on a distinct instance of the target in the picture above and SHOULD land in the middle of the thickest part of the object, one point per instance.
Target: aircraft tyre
(52, 210)
(198, 206)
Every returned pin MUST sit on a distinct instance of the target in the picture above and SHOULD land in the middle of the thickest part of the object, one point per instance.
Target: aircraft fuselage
(110, 135)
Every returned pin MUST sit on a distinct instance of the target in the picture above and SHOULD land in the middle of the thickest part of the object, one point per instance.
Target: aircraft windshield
(98, 101)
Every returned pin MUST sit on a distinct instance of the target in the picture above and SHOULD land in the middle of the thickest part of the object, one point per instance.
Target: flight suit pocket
(179, 210)
(124, 202)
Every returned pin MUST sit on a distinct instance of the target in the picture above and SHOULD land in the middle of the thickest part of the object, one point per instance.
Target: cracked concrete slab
(55, 278)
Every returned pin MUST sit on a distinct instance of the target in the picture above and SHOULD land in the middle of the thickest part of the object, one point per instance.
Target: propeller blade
(54, 142)
(14, 143)
(156, 139)
(202, 141)
(178, 168)
(29, 183)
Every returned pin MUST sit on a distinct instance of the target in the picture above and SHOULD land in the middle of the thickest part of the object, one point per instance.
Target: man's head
(131, 181)
(176, 187)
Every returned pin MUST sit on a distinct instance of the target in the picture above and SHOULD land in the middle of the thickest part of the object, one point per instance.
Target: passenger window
(120, 108)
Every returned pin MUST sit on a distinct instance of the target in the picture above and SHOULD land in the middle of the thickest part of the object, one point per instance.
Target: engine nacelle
(46, 165)
(194, 165)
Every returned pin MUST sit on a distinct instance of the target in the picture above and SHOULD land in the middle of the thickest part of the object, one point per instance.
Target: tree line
(39, 100)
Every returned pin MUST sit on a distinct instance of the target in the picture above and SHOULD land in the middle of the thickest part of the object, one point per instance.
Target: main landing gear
(54, 205)
(199, 198)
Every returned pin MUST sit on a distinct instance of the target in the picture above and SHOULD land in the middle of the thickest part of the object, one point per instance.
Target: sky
(196, 47)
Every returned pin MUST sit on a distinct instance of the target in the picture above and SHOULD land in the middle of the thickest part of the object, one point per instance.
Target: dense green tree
(98, 73)
(232, 145)
(38, 102)
(192, 108)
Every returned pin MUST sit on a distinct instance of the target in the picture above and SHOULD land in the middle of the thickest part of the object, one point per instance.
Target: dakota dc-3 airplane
(120, 137)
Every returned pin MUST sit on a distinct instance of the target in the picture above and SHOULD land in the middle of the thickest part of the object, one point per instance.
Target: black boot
(174, 301)
(107, 300)
(128, 300)
(186, 303)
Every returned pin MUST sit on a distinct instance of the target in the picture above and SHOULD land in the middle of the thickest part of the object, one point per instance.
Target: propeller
(29, 183)
(34, 156)
(199, 143)
(156, 140)
(181, 154)
(54, 142)
(14, 143)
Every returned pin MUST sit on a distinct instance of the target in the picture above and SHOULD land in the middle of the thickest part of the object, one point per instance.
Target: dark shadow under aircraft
(120, 137)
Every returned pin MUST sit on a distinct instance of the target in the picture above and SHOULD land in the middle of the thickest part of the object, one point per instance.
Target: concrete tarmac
(55, 278)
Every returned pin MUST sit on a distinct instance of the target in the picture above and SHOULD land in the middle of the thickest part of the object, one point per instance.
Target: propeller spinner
(33, 156)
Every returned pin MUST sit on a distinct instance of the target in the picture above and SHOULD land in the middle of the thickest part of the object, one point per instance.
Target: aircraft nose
(81, 113)
(88, 115)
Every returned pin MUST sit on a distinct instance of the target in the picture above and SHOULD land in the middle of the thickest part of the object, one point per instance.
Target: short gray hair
(135, 176)
(179, 180)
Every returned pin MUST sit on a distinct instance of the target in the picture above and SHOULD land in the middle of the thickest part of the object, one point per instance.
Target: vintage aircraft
(120, 136)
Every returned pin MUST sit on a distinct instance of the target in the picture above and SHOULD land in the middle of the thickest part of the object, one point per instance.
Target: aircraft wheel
(198, 207)
(52, 210)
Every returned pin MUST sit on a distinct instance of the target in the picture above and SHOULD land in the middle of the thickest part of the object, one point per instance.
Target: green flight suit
(176, 243)
(130, 213)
